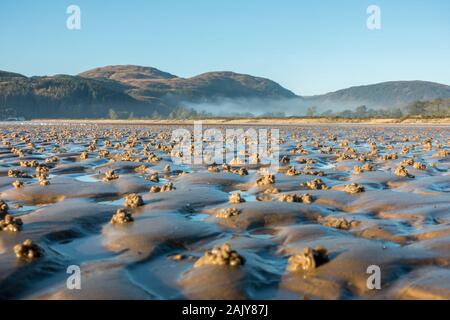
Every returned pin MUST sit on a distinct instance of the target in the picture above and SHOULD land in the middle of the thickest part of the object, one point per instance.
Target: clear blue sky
(308, 46)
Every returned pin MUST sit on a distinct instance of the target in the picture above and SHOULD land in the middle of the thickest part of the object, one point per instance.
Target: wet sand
(110, 199)
(259, 121)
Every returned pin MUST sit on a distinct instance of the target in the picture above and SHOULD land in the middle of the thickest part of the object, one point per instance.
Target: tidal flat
(110, 199)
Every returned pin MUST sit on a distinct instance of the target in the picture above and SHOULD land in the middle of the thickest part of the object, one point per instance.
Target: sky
(308, 46)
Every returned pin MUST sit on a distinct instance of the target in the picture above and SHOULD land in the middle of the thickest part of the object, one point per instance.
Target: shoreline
(124, 204)
(250, 121)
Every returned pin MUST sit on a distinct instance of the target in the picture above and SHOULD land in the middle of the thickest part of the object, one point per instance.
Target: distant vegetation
(124, 92)
(358, 113)
(438, 108)
(67, 96)
(435, 108)
(135, 92)
(392, 95)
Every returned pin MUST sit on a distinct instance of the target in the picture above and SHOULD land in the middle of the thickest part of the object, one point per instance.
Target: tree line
(437, 108)
(429, 109)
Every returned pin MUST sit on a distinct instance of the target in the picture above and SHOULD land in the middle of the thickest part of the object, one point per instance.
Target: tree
(346, 114)
(361, 111)
(113, 114)
(183, 113)
(417, 108)
(396, 113)
(311, 111)
(156, 115)
(327, 113)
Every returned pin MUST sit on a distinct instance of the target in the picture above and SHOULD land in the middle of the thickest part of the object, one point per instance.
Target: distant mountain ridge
(392, 94)
(10, 75)
(150, 82)
(65, 96)
(136, 91)
(123, 73)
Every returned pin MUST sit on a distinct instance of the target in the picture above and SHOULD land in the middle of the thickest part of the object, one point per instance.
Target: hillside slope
(144, 91)
(394, 94)
(65, 96)
(153, 83)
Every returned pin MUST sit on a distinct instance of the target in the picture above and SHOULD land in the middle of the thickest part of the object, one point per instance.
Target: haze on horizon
(309, 47)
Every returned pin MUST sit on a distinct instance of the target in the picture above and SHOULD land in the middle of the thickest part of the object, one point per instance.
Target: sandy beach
(107, 196)
(256, 121)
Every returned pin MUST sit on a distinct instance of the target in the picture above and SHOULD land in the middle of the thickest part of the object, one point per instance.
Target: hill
(152, 83)
(394, 94)
(65, 96)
